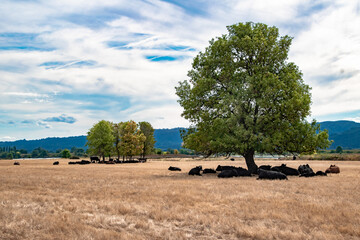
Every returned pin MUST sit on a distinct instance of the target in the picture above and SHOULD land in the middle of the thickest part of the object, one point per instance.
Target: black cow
(85, 162)
(265, 167)
(232, 159)
(242, 172)
(95, 159)
(229, 173)
(16, 163)
(264, 174)
(195, 171)
(208, 170)
(320, 173)
(174, 168)
(71, 163)
(221, 168)
(56, 163)
(288, 171)
(306, 171)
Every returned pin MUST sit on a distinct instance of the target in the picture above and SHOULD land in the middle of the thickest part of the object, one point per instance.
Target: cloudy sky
(65, 64)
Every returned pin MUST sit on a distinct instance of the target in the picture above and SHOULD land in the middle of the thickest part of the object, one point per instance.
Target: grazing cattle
(288, 171)
(306, 171)
(56, 163)
(195, 171)
(264, 174)
(221, 168)
(229, 173)
(174, 168)
(16, 163)
(320, 173)
(208, 170)
(265, 167)
(333, 169)
(242, 172)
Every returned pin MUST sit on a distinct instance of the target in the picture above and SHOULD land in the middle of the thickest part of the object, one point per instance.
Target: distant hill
(344, 133)
(165, 138)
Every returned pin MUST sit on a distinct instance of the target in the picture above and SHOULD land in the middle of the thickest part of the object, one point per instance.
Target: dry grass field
(146, 201)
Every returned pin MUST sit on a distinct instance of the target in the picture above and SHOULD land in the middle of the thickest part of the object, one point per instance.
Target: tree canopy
(149, 142)
(243, 96)
(100, 139)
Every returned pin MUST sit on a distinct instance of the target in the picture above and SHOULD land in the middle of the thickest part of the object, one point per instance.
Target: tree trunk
(250, 162)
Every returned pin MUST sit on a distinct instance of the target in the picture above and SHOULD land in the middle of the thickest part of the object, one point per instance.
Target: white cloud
(326, 44)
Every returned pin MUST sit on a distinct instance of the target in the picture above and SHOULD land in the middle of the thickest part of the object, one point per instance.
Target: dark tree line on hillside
(14, 153)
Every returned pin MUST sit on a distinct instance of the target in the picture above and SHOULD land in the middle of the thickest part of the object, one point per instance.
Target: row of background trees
(123, 139)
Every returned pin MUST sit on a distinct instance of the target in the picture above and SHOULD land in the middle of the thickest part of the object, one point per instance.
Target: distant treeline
(344, 133)
(165, 139)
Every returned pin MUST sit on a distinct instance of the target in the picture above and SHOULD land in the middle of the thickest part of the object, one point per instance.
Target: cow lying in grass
(288, 171)
(174, 168)
(306, 171)
(264, 174)
(234, 172)
(333, 169)
(208, 170)
(195, 171)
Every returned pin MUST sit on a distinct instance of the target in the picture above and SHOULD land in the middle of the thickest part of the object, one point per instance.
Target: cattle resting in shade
(306, 171)
(265, 167)
(174, 168)
(272, 175)
(221, 168)
(242, 172)
(195, 171)
(288, 171)
(229, 173)
(333, 169)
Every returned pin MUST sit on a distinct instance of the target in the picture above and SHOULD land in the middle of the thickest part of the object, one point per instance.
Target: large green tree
(118, 133)
(243, 96)
(132, 140)
(100, 139)
(149, 142)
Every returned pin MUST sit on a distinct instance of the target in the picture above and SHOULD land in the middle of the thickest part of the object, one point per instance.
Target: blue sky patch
(68, 64)
(164, 58)
(22, 41)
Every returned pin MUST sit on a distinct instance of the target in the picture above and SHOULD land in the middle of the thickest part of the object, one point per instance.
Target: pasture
(146, 201)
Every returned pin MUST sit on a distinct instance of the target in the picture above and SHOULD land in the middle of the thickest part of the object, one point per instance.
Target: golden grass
(146, 201)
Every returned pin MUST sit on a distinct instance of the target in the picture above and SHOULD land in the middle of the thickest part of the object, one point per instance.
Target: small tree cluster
(125, 139)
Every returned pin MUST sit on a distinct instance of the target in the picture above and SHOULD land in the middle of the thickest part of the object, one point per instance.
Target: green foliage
(132, 140)
(39, 153)
(158, 151)
(65, 153)
(243, 96)
(100, 139)
(149, 142)
(339, 149)
(118, 132)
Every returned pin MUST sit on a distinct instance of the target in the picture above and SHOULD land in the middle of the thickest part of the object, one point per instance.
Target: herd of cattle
(264, 171)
